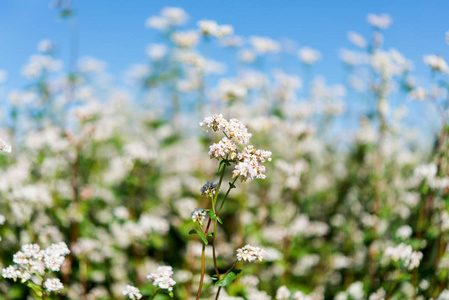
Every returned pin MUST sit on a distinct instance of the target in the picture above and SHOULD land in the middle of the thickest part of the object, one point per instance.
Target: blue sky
(113, 30)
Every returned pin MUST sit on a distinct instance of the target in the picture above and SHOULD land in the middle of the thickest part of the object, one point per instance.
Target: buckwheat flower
(419, 93)
(4, 147)
(209, 188)
(382, 21)
(175, 16)
(356, 39)
(198, 215)
(185, 39)
(405, 253)
(11, 272)
(54, 256)
(436, 62)
(224, 30)
(132, 292)
(208, 27)
(404, 232)
(157, 22)
(250, 253)
(250, 164)
(308, 55)
(224, 149)
(163, 278)
(232, 41)
(53, 285)
(264, 45)
(230, 90)
(378, 295)
(215, 122)
(283, 293)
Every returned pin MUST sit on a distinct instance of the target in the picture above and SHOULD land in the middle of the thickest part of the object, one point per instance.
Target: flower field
(247, 178)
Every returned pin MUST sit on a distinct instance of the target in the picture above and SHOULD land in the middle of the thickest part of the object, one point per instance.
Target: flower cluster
(132, 292)
(5, 147)
(225, 149)
(250, 163)
(406, 254)
(32, 260)
(53, 285)
(232, 128)
(198, 215)
(209, 188)
(250, 253)
(163, 278)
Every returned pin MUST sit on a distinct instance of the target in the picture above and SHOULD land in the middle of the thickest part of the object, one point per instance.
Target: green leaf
(200, 234)
(232, 186)
(211, 215)
(228, 278)
(222, 164)
(219, 220)
(170, 294)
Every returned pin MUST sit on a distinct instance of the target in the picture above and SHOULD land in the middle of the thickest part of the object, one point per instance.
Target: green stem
(202, 272)
(226, 196)
(154, 294)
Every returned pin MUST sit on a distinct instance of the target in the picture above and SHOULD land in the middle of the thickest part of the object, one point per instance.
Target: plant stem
(202, 272)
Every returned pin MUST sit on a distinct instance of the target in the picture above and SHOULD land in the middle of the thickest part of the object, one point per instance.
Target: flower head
(53, 285)
(198, 215)
(250, 253)
(163, 278)
(132, 292)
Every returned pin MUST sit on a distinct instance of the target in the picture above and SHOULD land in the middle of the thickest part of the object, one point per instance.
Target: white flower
(132, 292)
(250, 164)
(250, 253)
(264, 45)
(198, 215)
(308, 55)
(382, 21)
(406, 254)
(208, 27)
(163, 278)
(232, 128)
(283, 293)
(4, 147)
(185, 39)
(53, 285)
(225, 149)
(230, 90)
(404, 232)
(356, 39)
(436, 62)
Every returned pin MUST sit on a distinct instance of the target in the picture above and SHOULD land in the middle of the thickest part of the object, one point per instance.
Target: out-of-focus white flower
(404, 232)
(53, 285)
(264, 45)
(419, 93)
(282, 293)
(45, 46)
(231, 90)
(208, 27)
(175, 16)
(436, 62)
(132, 292)
(357, 39)
(4, 147)
(156, 51)
(378, 295)
(308, 55)
(406, 254)
(382, 21)
(232, 41)
(250, 253)
(247, 56)
(163, 278)
(90, 64)
(185, 39)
